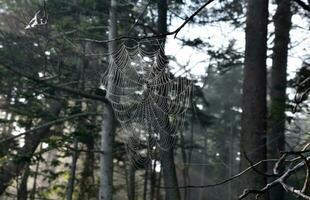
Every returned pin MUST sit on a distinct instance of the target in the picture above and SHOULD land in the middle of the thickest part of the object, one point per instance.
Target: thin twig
(307, 179)
(281, 181)
(140, 16)
(307, 163)
(175, 32)
(279, 163)
(256, 170)
(294, 191)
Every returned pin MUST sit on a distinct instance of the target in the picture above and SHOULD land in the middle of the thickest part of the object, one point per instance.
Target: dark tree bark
(71, 181)
(253, 135)
(167, 157)
(145, 186)
(276, 126)
(35, 179)
(131, 185)
(86, 190)
(22, 193)
(158, 195)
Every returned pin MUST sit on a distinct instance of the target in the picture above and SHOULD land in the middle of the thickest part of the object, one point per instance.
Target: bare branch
(303, 5)
(306, 185)
(224, 181)
(307, 179)
(175, 32)
(278, 164)
(281, 180)
(256, 170)
(294, 191)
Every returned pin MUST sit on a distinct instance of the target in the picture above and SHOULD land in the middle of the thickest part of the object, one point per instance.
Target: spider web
(148, 101)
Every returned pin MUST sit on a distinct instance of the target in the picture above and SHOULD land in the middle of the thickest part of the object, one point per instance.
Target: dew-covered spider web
(148, 101)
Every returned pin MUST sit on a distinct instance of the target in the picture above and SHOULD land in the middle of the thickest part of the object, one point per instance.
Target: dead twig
(281, 180)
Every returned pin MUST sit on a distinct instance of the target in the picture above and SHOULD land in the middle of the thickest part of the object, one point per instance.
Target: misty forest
(154, 99)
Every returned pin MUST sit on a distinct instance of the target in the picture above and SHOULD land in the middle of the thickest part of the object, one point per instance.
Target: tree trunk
(253, 134)
(185, 170)
(35, 179)
(106, 158)
(70, 187)
(131, 181)
(86, 190)
(108, 125)
(153, 179)
(9, 170)
(167, 156)
(276, 139)
(158, 194)
(231, 156)
(22, 193)
(146, 178)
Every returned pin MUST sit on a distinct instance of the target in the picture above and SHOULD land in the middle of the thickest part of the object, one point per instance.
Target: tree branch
(57, 121)
(283, 177)
(303, 5)
(281, 181)
(61, 88)
(175, 32)
(256, 170)
(226, 180)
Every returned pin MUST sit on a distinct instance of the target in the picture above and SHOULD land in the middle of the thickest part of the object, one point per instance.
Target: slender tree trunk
(70, 187)
(158, 194)
(253, 134)
(106, 158)
(185, 161)
(35, 178)
(22, 193)
(146, 178)
(131, 181)
(153, 179)
(282, 22)
(232, 154)
(167, 157)
(108, 125)
(87, 180)
(203, 168)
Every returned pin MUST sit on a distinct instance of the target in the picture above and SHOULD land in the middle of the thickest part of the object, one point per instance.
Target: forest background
(250, 65)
